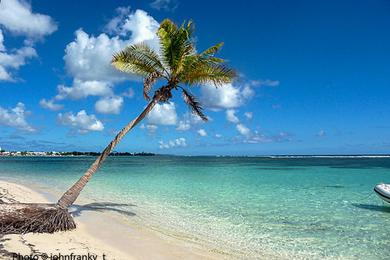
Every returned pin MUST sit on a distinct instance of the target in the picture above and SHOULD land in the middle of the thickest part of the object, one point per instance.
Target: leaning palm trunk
(71, 195)
(20, 218)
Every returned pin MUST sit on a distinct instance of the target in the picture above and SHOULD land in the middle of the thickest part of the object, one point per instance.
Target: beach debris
(21, 218)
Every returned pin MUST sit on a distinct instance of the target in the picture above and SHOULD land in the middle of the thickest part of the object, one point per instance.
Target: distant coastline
(71, 154)
(280, 156)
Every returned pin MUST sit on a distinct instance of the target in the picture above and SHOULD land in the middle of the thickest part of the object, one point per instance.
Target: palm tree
(179, 65)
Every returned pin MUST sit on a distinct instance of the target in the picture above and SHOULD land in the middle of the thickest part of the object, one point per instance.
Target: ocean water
(291, 208)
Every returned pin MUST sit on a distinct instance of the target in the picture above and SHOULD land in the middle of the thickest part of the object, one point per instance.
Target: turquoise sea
(295, 208)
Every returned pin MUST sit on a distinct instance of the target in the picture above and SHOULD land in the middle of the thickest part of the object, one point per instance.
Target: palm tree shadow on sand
(379, 208)
(77, 210)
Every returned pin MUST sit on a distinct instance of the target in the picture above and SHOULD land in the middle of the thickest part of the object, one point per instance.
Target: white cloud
(50, 104)
(218, 135)
(151, 128)
(247, 92)
(109, 105)
(183, 125)
(81, 121)
(163, 114)
(225, 97)
(166, 5)
(202, 132)
(188, 120)
(2, 47)
(163, 145)
(114, 24)
(83, 89)
(231, 117)
(15, 117)
(137, 26)
(242, 129)
(248, 115)
(195, 119)
(257, 137)
(88, 58)
(231, 95)
(179, 142)
(17, 17)
(4, 75)
(14, 60)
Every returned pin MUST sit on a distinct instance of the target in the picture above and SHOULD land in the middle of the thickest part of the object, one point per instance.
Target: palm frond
(212, 50)
(193, 104)
(166, 32)
(168, 26)
(139, 59)
(207, 71)
(216, 60)
(178, 62)
(176, 43)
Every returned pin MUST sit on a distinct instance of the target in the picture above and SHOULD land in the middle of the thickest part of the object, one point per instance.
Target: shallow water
(291, 208)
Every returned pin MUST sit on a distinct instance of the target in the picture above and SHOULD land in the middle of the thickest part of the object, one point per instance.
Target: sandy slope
(98, 236)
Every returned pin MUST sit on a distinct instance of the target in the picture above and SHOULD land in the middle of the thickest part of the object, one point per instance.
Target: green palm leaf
(139, 59)
(177, 62)
(175, 43)
(201, 70)
(212, 50)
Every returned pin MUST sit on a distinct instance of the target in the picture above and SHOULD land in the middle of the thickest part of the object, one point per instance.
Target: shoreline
(97, 233)
(271, 156)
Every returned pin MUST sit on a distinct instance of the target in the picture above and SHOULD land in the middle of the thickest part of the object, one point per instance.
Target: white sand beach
(97, 235)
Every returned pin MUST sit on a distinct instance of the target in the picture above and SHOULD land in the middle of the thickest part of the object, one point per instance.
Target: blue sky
(314, 77)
